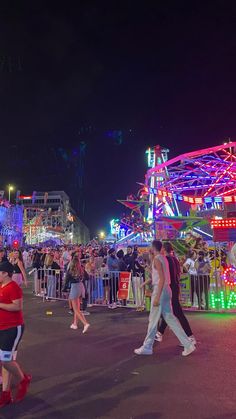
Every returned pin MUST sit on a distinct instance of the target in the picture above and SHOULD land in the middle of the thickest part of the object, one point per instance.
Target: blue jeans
(52, 285)
(165, 309)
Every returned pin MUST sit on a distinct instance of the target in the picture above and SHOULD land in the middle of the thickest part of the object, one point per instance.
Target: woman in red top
(11, 331)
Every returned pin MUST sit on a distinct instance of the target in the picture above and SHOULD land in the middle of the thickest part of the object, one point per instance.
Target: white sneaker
(143, 351)
(112, 306)
(159, 337)
(188, 351)
(86, 328)
(193, 340)
(85, 313)
(74, 326)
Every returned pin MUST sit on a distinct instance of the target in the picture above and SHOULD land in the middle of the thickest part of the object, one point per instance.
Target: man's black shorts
(9, 341)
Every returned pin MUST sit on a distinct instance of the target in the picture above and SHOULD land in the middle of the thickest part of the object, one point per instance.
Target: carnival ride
(198, 184)
(204, 179)
(192, 194)
(11, 223)
(41, 225)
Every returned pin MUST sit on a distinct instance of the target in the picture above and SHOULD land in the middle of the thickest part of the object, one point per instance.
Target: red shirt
(8, 293)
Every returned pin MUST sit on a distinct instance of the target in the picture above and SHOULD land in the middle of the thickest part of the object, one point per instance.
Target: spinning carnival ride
(188, 198)
(201, 183)
(205, 179)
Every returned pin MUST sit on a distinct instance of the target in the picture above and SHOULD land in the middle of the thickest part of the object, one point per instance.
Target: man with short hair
(11, 331)
(161, 304)
(175, 271)
(129, 259)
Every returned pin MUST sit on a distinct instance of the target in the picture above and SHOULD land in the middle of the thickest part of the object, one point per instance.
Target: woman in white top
(190, 266)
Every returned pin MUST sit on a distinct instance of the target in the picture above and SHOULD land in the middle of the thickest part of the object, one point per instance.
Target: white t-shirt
(191, 266)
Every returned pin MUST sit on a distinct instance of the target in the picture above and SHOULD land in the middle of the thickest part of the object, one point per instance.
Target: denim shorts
(77, 290)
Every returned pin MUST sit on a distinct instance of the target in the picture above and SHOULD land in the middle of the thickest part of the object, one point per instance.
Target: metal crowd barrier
(111, 289)
(198, 292)
(195, 291)
(207, 292)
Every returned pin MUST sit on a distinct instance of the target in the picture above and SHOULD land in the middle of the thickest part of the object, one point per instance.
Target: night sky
(84, 90)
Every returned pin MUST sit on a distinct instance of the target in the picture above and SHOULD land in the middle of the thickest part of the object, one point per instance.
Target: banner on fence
(185, 291)
(124, 280)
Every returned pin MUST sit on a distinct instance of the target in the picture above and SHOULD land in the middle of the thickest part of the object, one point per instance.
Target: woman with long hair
(19, 274)
(74, 277)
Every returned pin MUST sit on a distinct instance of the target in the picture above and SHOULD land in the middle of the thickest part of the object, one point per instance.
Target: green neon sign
(223, 300)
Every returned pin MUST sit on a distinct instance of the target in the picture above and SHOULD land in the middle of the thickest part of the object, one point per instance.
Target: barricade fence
(126, 290)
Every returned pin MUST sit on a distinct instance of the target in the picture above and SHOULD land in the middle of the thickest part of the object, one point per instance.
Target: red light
(15, 244)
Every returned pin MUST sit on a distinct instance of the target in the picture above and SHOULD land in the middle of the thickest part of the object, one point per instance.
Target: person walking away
(19, 274)
(11, 331)
(113, 268)
(175, 271)
(74, 276)
(161, 304)
(203, 278)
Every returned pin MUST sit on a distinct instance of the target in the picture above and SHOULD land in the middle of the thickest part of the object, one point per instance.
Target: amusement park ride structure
(199, 183)
(41, 225)
(48, 216)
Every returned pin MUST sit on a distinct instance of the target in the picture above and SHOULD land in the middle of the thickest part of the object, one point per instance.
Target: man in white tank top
(161, 305)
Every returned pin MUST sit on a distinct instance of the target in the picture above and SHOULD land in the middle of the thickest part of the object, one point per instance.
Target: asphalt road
(98, 376)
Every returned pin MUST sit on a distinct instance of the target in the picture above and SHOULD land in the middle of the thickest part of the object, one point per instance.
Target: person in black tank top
(19, 274)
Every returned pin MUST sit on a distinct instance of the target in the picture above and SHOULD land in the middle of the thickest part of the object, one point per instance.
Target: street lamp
(102, 235)
(10, 188)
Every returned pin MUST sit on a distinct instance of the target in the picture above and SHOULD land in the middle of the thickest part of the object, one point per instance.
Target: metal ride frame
(204, 178)
(38, 222)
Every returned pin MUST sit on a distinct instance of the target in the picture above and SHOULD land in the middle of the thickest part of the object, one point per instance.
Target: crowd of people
(104, 262)
(157, 270)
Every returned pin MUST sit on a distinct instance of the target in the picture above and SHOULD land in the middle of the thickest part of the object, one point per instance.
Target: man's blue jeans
(165, 309)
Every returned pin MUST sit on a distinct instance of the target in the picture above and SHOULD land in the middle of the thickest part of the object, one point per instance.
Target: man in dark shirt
(129, 259)
(175, 271)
